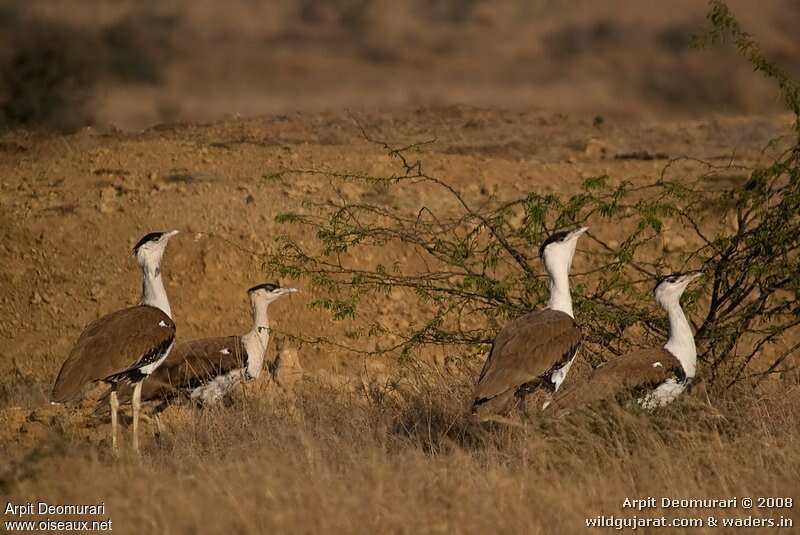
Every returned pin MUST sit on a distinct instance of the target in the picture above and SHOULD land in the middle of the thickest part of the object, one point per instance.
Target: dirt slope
(74, 206)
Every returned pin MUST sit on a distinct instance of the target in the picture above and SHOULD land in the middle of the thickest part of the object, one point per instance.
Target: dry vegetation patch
(410, 462)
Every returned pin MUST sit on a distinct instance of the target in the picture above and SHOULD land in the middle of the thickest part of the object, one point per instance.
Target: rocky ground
(74, 206)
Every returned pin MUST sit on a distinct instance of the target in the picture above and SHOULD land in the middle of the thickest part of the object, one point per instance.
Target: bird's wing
(189, 364)
(526, 349)
(111, 345)
(196, 362)
(641, 369)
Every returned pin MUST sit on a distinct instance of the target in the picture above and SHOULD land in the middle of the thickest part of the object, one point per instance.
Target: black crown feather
(268, 286)
(152, 236)
(553, 238)
(672, 277)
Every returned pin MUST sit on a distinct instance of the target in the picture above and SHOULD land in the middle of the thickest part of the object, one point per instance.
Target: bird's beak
(290, 290)
(579, 232)
(692, 276)
(171, 233)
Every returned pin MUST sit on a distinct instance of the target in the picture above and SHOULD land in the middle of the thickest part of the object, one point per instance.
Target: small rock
(96, 293)
(673, 244)
(287, 369)
(596, 149)
(107, 197)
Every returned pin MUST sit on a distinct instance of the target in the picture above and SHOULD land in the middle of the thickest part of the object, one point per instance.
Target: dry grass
(405, 459)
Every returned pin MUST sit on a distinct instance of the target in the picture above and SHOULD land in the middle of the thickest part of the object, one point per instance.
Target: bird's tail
(484, 409)
(71, 381)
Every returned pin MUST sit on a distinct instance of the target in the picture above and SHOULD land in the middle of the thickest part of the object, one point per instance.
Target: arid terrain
(324, 455)
(135, 64)
(190, 131)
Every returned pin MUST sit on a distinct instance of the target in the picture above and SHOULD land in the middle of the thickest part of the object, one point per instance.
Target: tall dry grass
(403, 458)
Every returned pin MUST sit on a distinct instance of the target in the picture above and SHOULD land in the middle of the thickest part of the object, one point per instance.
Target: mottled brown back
(641, 369)
(112, 345)
(189, 364)
(524, 350)
(196, 362)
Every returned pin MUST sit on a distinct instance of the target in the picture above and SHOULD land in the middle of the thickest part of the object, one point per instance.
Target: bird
(127, 345)
(654, 376)
(536, 350)
(207, 369)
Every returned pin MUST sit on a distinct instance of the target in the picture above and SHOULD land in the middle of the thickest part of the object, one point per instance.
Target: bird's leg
(159, 427)
(114, 424)
(135, 404)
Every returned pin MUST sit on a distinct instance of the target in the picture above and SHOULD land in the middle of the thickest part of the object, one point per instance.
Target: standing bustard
(127, 345)
(206, 370)
(537, 349)
(655, 376)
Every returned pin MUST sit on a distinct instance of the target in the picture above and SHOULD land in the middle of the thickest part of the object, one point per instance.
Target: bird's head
(150, 249)
(557, 251)
(266, 293)
(669, 289)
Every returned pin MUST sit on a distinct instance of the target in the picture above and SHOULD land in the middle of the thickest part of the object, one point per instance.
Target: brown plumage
(635, 373)
(113, 347)
(189, 365)
(523, 356)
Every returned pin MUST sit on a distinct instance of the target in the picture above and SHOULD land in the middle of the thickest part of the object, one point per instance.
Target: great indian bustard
(206, 370)
(127, 345)
(654, 376)
(536, 350)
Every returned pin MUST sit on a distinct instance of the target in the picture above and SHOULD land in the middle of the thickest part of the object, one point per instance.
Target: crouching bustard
(654, 376)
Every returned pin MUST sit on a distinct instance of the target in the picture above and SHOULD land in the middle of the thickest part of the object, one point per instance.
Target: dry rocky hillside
(73, 206)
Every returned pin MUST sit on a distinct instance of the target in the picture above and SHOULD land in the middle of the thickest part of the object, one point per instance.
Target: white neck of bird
(153, 292)
(681, 340)
(257, 339)
(560, 298)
